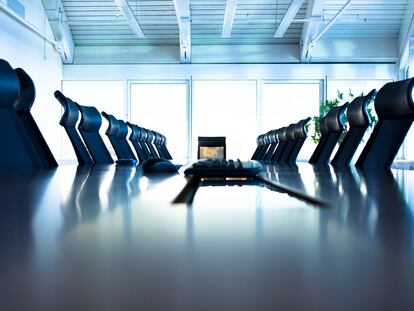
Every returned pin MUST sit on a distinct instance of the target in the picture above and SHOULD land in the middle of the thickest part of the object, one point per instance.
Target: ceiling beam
(231, 7)
(288, 18)
(310, 29)
(331, 22)
(130, 17)
(182, 11)
(60, 27)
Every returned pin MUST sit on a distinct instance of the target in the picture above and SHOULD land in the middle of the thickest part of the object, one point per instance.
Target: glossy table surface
(109, 238)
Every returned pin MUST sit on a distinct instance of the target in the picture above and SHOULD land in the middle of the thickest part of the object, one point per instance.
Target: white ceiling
(102, 24)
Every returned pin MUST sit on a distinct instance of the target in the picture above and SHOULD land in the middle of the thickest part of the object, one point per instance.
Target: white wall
(22, 48)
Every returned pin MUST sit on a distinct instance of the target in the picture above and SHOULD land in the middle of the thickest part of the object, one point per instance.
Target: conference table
(110, 238)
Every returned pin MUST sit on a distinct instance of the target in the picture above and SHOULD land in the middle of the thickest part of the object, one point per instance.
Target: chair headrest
(157, 138)
(274, 138)
(91, 119)
(122, 130)
(9, 86)
(283, 134)
(135, 132)
(27, 94)
(150, 136)
(290, 132)
(395, 100)
(334, 120)
(144, 134)
(357, 113)
(113, 126)
(70, 114)
(300, 128)
(323, 126)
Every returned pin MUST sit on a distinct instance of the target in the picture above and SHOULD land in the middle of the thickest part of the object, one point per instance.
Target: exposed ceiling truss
(229, 14)
(199, 27)
(288, 18)
(130, 17)
(182, 11)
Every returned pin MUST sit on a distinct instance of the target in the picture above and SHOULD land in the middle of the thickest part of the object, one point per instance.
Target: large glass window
(286, 103)
(105, 96)
(226, 108)
(163, 107)
(356, 87)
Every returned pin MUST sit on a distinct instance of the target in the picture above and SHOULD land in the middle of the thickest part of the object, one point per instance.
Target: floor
(109, 238)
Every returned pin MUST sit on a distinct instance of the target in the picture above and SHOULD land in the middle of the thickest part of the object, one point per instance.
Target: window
(105, 96)
(286, 103)
(226, 108)
(356, 87)
(162, 107)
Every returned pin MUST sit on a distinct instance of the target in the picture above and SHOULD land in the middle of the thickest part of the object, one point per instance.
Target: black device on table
(158, 165)
(221, 168)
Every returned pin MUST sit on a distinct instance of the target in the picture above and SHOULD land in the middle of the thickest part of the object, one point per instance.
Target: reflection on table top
(109, 237)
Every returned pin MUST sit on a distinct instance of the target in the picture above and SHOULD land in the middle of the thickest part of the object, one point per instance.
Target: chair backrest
(301, 133)
(258, 148)
(158, 145)
(112, 132)
(359, 121)
(332, 126)
(143, 142)
(134, 137)
(291, 141)
(122, 139)
(23, 104)
(68, 121)
(164, 146)
(267, 138)
(274, 140)
(394, 105)
(149, 141)
(16, 150)
(282, 134)
(88, 127)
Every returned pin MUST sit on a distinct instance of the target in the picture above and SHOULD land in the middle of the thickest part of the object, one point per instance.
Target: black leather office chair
(158, 145)
(143, 143)
(117, 132)
(23, 105)
(164, 147)
(134, 137)
(111, 132)
(332, 127)
(88, 127)
(214, 147)
(68, 121)
(259, 147)
(122, 138)
(301, 134)
(266, 145)
(149, 141)
(394, 105)
(290, 143)
(359, 121)
(281, 146)
(274, 140)
(16, 151)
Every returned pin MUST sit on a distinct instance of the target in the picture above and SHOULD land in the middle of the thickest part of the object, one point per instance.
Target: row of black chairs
(89, 146)
(394, 105)
(23, 146)
(283, 144)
